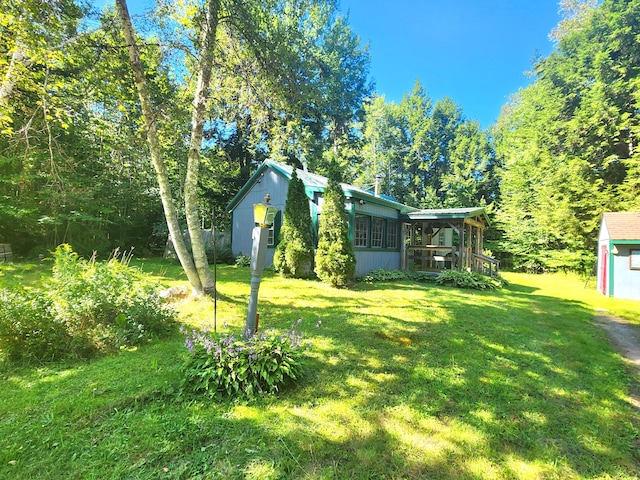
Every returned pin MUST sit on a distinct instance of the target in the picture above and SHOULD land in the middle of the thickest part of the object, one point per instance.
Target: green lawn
(404, 380)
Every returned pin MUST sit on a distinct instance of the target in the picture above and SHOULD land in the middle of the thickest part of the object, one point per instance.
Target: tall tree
(273, 46)
(150, 119)
(384, 149)
(567, 141)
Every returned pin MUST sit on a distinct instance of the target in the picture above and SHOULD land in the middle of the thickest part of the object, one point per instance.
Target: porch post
(463, 254)
(403, 246)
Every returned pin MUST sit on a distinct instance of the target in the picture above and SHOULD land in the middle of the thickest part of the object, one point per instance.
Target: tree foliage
(568, 142)
(294, 254)
(73, 166)
(426, 153)
(74, 163)
(335, 260)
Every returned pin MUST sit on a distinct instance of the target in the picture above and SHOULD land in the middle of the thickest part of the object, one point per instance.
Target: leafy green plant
(381, 275)
(468, 280)
(227, 365)
(243, 261)
(29, 329)
(88, 307)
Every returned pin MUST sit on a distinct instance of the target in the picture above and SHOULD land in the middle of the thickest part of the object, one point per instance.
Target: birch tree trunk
(156, 153)
(201, 96)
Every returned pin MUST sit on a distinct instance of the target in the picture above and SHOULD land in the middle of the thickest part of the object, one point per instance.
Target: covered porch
(451, 238)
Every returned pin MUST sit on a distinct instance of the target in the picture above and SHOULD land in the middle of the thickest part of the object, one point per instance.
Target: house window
(271, 236)
(634, 259)
(273, 233)
(377, 233)
(392, 234)
(361, 231)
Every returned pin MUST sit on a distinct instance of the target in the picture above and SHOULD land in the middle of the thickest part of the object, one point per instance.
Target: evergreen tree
(294, 254)
(335, 260)
(567, 142)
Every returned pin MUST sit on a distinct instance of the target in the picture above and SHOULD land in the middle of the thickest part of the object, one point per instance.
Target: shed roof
(622, 225)
(316, 183)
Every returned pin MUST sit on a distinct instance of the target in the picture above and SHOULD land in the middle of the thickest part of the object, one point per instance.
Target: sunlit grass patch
(403, 380)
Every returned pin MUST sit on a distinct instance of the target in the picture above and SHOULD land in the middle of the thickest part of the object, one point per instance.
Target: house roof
(315, 183)
(622, 225)
(448, 213)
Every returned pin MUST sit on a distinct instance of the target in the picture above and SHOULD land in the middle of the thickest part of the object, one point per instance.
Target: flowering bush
(227, 365)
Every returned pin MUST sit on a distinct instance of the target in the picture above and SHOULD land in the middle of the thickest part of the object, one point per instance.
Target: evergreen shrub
(293, 257)
(335, 260)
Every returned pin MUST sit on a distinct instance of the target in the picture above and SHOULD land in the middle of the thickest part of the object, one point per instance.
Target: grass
(404, 380)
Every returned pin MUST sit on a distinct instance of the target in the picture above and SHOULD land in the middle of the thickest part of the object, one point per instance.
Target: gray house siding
(242, 218)
(273, 178)
(626, 282)
(374, 257)
(368, 260)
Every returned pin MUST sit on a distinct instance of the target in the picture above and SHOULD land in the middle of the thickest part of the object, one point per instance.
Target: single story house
(618, 272)
(386, 234)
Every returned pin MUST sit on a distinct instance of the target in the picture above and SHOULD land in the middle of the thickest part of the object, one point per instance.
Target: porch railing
(439, 257)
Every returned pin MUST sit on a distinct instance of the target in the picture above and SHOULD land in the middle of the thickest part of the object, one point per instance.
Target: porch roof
(448, 214)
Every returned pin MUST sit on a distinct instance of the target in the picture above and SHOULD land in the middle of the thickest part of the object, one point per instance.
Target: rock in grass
(174, 293)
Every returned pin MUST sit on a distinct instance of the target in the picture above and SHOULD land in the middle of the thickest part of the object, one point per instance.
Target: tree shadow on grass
(441, 383)
(529, 379)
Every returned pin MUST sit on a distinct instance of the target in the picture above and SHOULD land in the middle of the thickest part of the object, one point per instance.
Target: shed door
(603, 269)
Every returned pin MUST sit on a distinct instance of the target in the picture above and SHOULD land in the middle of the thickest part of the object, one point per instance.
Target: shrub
(381, 275)
(294, 254)
(243, 261)
(89, 307)
(227, 365)
(469, 280)
(335, 260)
(29, 329)
(109, 302)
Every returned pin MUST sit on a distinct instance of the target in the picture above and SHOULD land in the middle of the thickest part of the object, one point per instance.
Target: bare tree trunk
(201, 97)
(156, 153)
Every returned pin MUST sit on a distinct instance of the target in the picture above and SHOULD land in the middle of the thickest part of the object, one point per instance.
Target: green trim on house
(315, 184)
(447, 214)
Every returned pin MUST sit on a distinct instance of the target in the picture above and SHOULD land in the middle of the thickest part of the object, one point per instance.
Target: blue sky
(474, 51)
